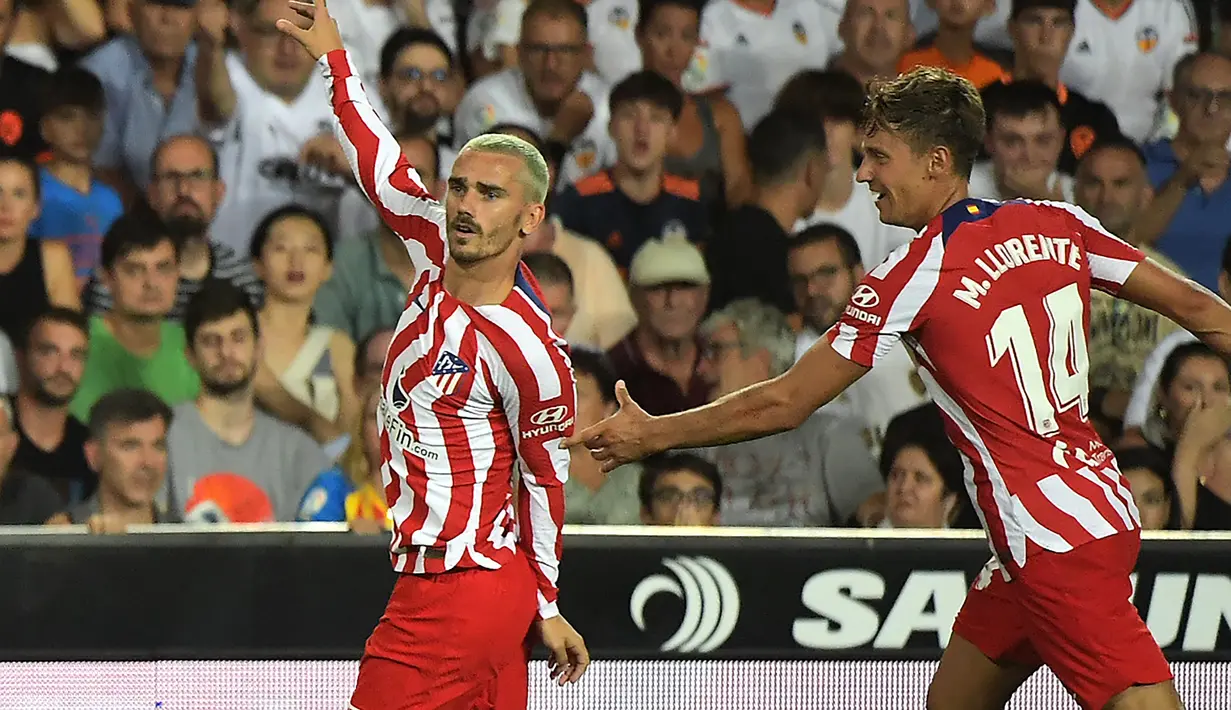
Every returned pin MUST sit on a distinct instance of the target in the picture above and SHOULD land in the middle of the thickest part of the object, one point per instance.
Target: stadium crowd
(195, 299)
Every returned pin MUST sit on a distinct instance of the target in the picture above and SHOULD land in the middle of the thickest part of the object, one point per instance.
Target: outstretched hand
(312, 27)
(627, 435)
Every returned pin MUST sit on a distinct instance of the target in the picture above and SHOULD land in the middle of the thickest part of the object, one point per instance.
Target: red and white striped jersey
(993, 302)
(471, 394)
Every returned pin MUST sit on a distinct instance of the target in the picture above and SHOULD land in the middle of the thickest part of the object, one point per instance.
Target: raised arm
(382, 172)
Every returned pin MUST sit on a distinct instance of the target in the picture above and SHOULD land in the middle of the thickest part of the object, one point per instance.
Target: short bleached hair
(760, 326)
(534, 175)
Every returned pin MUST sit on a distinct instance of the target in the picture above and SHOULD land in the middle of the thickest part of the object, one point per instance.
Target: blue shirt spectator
(1197, 234)
(138, 115)
(79, 220)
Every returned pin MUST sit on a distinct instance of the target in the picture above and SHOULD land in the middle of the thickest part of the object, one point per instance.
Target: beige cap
(671, 259)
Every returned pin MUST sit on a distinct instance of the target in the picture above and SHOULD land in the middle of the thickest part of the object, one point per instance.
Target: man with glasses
(680, 489)
(261, 105)
(549, 93)
(185, 192)
(818, 475)
(824, 265)
(1189, 217)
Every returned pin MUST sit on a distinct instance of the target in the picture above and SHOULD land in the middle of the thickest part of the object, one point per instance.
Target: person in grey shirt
(230, 462)
(820, 474)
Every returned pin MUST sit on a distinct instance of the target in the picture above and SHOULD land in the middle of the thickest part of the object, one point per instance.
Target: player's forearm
(371, 148)
(1209, 318)
(540, 513)
(751, 413)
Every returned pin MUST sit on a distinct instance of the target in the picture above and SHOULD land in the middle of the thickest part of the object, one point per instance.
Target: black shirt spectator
(636, 200)
(747, 258)
(1084, 121)
(25, 499)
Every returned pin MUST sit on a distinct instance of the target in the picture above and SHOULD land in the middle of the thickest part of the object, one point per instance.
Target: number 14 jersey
(992, 300)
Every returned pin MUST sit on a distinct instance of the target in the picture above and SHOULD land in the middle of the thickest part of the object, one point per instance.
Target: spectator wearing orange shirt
(953, 48)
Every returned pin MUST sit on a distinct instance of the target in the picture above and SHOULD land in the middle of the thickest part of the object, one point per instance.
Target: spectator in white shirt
(261, 105)
(836, 100)
(876, 33)
(549, 92)
(1024, 139)
(1123, 53)
(754, 46)
(611, 23)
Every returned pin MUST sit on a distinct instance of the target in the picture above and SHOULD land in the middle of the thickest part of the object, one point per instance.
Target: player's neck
(482, 283)
(642, 187)
(956, 192)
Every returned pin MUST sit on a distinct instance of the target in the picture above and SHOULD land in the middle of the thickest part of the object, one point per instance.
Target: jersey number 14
(1068, 359)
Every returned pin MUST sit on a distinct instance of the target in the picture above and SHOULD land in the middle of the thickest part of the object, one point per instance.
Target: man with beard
(825, 266)
(548, 92)
(185, 191)
(231, 462)
(133, 345)
(50, 444)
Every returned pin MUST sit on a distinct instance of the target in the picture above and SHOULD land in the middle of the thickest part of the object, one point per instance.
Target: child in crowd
(77, 208)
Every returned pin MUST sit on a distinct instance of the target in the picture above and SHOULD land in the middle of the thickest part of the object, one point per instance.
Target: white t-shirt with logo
(890, 388)
(754, 54)
(503, 98)
(1126, 62)
(983, 183)
(258, 155)
(611, 27)
(860, 217)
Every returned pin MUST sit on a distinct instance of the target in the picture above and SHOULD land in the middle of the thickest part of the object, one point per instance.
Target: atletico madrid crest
(447, 373)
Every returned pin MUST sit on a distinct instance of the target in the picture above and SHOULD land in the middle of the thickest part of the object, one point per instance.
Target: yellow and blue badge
(801, 35)
(620, 18)
(1147, 39)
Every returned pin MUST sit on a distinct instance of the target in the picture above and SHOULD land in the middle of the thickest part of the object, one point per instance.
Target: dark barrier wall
(317, 595)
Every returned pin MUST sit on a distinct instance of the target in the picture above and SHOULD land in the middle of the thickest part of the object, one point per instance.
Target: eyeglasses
(697, 497)
(1207, 98)
(193, 178)
(570, 50)
(825, 274)
(436, 76)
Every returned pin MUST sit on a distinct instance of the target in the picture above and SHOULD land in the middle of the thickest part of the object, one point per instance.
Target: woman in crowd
(292, 252)
(34, 274)
(1150, 480)
(1189, 428)
(709, 137)
(923, 478)
(352, 491)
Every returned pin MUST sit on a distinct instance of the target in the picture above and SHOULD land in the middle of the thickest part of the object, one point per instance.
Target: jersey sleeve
(889, 302)
(540, 404)
(1111, 259)
(381, 170)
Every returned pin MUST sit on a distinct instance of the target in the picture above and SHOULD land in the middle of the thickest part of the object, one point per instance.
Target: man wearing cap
(659, 360)
(149, 84)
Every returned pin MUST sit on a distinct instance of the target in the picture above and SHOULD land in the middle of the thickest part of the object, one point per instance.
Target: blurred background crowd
(195, 299)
